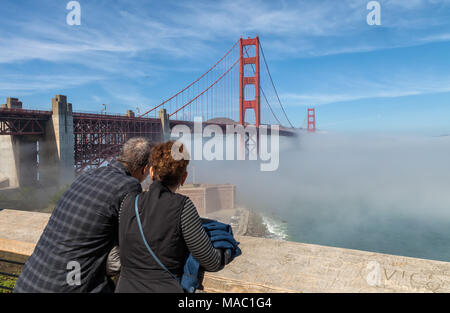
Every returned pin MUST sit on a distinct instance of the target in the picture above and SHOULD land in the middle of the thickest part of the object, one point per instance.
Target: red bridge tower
(254, 80)
(311, 120)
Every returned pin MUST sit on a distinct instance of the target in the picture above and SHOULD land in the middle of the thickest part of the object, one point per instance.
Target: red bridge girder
(23, 122)
(99, 137)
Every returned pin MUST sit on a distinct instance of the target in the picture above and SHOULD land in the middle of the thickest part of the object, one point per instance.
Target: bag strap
(145, 241)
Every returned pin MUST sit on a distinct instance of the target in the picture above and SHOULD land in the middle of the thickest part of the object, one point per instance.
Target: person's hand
(227, 256)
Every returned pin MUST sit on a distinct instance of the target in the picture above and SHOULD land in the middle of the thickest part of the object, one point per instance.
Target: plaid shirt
(82, 228)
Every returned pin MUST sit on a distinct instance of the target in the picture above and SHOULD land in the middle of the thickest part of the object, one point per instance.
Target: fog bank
(382, 193)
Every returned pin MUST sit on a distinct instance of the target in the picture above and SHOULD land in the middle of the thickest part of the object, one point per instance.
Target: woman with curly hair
(158, 230)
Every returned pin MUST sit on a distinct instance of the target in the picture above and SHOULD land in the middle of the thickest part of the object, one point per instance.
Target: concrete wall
(279, 266)
(12, 103)
(225, 197)
(28, 167)
(4, 182)
(210, 198)
(8, 161)
(165, 125)
(57, 146)
(18, 156)
(197, 196)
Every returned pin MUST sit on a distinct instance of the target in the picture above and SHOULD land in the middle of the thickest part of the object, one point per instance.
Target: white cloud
(131, 39)
(22, 85)
(192, 29)
(364, 89)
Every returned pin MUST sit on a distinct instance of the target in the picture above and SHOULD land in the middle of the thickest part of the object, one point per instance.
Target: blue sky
(392, 77)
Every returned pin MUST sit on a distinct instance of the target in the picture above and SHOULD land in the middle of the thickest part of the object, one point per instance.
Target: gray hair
(135, 153)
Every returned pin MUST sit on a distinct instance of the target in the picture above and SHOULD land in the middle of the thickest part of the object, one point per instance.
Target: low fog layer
(382, 193)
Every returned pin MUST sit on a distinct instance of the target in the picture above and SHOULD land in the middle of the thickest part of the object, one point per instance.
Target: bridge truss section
(99, 137)
(19, 122)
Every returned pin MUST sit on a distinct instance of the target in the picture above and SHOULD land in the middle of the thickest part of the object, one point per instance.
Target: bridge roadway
(22, 122)
(279, 266)
(73, 139)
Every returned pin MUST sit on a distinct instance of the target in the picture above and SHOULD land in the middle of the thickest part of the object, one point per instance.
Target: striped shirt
(197, 240)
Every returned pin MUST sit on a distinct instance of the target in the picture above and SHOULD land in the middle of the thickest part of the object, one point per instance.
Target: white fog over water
(375, 192)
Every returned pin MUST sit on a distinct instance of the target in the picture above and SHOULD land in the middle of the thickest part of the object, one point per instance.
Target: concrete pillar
(56, 155)
(13, 103)
(18, 155)
(8, 163)
(18, 160)
(165, 125)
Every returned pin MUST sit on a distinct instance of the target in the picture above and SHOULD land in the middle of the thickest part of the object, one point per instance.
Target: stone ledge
(22, 225)
(267, 264)
(279, 266)
(16, 247)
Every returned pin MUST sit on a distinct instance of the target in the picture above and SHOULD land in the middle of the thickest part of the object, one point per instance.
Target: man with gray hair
(72, 253)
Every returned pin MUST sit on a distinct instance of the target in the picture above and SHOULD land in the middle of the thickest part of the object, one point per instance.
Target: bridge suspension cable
(219, 95)
(209, 87)
(264, 94)
(270, 76)
(190, 85)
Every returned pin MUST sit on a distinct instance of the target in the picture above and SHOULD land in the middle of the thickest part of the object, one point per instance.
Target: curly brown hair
(165, 168)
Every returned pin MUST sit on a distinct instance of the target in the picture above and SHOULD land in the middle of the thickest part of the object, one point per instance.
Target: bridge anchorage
(50, 147)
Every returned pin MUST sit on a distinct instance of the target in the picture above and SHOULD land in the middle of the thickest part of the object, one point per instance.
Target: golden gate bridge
(238, 83)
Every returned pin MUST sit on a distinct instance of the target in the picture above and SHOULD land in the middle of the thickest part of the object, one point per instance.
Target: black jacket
(160, 213)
